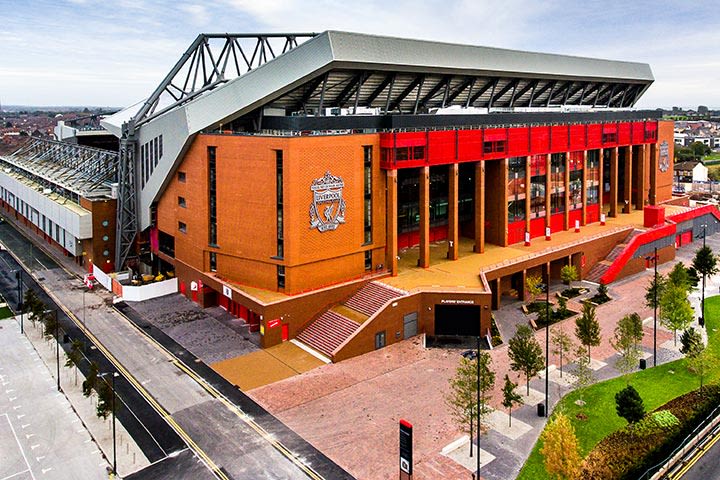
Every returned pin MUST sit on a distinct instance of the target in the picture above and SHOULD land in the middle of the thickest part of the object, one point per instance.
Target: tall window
(281, 276)
(212, 195)
(557, 185)
(213, 262)
(537, 185)
(593, 177)
(516, 189)
(576, 180)
(367, 163)
(279, 198)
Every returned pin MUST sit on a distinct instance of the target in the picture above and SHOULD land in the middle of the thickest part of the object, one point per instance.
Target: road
(701, 463)
(231, 443)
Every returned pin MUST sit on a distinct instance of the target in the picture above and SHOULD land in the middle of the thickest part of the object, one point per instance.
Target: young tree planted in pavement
(602, 292)
(705, 261)
(462, 397)
(33, 305)
(629, 405)
(560, 449)
(104, 402)
(691, 343)
(569, 274)
(675, 310)
(652, 298)
(626, 340)
(587, 328)
(91, 379)
(510, 397)
(50, 323)
(525, 354)
(562, 346)
(487, 382)
(679, 277)
(584, 375)
(74, 356)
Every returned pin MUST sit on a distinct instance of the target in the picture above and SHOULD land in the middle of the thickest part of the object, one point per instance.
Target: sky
(115, 52)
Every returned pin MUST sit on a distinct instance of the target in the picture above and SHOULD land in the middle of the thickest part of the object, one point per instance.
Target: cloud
(199, 15)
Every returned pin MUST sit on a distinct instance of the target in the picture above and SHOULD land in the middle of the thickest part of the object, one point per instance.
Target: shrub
(629, 405)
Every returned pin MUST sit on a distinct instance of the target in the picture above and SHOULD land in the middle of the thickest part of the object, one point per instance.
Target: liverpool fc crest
(327, 210)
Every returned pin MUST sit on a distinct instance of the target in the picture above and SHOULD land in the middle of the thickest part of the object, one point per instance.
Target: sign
(458, 302)
(193, 286)
(406, 447)
(327, 209)
(89, 280)
(273, 323)
(227, 291)
(664, 162)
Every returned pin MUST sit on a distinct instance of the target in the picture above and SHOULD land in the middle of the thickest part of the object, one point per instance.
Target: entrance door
(459, 320)
(379, 340)
(410, 325)
(285, 332)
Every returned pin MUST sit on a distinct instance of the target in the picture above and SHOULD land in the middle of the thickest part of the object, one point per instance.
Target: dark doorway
(459, 320)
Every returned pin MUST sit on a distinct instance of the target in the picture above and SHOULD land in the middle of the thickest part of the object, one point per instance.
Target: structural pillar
(628, 180)
(496, 293)
(583, 219)
(453, 212)
(391, 234)
(522, 294)
(528, 159)
(653, 173)
(566, 197)
(613, 182)
(641, 175)
(424, 207)
(601, 188)
(548, 190)
(479, 207)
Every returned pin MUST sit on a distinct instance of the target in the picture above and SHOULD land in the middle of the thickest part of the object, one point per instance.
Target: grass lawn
(656, 386)
(5, 312)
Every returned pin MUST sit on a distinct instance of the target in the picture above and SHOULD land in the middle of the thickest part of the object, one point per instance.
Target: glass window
(516, 189)
(593, 176)
(557, 182)
(182, 227)
(538, 175)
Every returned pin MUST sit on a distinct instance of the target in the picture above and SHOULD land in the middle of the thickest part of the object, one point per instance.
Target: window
(105, 223)
(557, 182)
(279, 199)
(576, 180)
(181, 177)
(212, 195)
(181, 202)
(368, 194)
(593, 176)
(379, 340)
(368, 260)
(538, 175)
(182, 227)
(494, 147)
(609, 137)
(213, 262)
(281, 276)
(650, 134)
(516, 189)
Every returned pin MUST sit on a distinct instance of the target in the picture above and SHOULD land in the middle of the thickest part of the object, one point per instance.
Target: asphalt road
(703, 462)
(230, 441)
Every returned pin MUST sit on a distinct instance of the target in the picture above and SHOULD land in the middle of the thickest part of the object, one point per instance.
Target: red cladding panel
(410, 139)
(516, 232)
(495, 134)
(624, 134)
(559, 138)
(518, 141)
(557, 222)
(537, 227)
(575, 215)
(441, 147)
(638, 132)
(540, 139)
(577, 137)
(609, 128)
(592, 213)
(653, 216)
(594, 136)
(469, 145)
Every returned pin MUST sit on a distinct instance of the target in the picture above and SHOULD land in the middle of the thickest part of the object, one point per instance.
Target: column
(496, 294)
(548, 190)
(424, 207)
(583, 219)
(521, 292)
(613, 182)
(566, 197)
(601, 173)
(453, 212)
(641, 175)
(391, 234)
(627, 181)
(653, 172)
(527, 193)
(479, 207)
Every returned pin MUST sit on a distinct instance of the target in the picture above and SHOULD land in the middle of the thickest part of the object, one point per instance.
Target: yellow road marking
(699, 454)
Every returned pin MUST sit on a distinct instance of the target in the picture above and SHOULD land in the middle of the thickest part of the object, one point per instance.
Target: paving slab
(500, 422)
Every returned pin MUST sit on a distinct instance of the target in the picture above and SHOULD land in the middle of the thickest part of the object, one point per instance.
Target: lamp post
(57, 344)
(21, 307)
(477, 364)
(654, 259)
(702, 301)
(547, 342)
(112, 407)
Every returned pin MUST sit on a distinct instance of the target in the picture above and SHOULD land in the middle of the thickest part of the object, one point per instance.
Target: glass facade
(557, 182)
(367, 190)
(516, 189)
(538, 175)
(593, 177)
(576, 180)
(212, 195)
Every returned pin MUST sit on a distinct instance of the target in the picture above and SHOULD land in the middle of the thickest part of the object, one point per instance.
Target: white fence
(151, 290)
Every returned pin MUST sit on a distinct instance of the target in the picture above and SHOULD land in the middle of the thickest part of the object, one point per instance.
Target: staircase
(331, 329)
(370, 298)
(327, 332)
(597, 272)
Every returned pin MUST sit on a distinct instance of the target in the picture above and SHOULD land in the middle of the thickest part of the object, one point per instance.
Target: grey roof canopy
(208, 88)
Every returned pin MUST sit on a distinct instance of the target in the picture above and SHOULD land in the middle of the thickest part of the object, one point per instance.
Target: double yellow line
(698, 455)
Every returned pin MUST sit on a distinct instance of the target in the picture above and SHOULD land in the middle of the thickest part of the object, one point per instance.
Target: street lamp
(702, 301)
(18, 277)
(654, 259)
(547, 342)
(475, 355)
(112, 407)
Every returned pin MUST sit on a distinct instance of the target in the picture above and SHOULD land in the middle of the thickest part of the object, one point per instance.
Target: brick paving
(350, 410)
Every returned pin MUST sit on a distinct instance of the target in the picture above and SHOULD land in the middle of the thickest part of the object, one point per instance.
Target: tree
(90, 381)
(626, 340)
(675, 310)
(104, 402)
(74, 356)
(33, 305)
(678, 276)
(629, 405)
(705, 261)
(587, 328)
(584, 375)
(691, 343)
(533, 285)
(569, 274)
(562, 345)
(510, 397)
(701, 364)
(562, 310)
(699, 150)
(487, 382)
(525, 354)
(693, 278)
(50, 322)
(560, 448)
(654, 291)
(462, 397)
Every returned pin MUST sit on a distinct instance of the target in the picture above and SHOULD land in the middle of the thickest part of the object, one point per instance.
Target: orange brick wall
(247, 209)
(665, 179)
